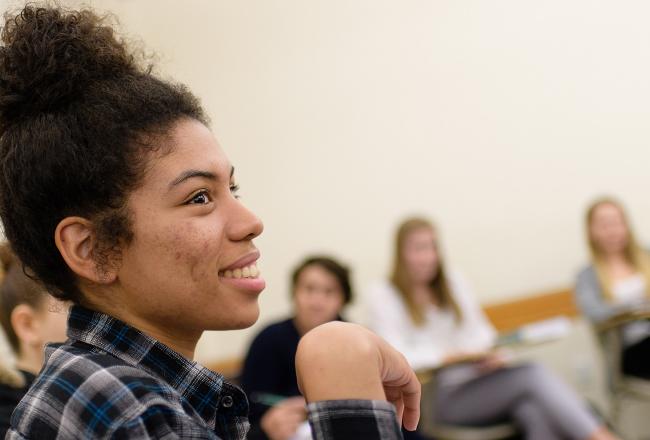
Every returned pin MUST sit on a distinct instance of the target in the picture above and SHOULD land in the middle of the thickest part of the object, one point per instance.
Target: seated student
(430, 314)
(116, 195)
(320, 289)
(30, 318)
(616, 280)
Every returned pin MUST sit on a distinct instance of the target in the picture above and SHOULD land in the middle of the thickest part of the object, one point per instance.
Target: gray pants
(538, 402)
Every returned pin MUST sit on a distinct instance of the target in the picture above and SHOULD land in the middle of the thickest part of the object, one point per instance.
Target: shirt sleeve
(589, 296)
(476, 333)
(353, 420)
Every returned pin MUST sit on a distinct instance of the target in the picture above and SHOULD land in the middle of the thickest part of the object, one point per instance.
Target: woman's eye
(200, 198)
(234, 189)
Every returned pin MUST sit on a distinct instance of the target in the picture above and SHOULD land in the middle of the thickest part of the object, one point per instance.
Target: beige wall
(498, 119)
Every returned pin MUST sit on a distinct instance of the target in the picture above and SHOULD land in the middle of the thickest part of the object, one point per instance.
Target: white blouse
(630, 291)
(426, 346)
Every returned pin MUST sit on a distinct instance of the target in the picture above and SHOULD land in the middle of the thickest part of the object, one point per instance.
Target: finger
(293, 404)
(295, 418)
(407, 404)
(290, 428)
(411, 415)
(295, 400)
(398, 374)
(293, 415)
(298, 408)
(295, 407)
(395, 396)
(287, 428)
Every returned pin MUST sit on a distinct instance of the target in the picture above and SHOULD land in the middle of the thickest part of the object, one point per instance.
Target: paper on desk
(553, 328)
(303, 432)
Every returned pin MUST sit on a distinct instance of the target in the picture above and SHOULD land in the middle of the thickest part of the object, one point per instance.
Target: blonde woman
(429, 313)
(616, 280)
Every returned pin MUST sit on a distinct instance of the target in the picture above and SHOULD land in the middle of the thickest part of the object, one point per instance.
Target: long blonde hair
(442, 294)
(634, 254)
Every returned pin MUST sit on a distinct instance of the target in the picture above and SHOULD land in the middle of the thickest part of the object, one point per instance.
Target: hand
(282, 420)
(338, 360)
(464, 357)
(493, 361)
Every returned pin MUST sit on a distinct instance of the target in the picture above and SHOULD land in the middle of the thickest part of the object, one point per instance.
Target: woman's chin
(240, 320)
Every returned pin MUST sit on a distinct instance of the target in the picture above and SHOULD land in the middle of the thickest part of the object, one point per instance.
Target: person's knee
(534, 372)
(529, 378)
(526, 374)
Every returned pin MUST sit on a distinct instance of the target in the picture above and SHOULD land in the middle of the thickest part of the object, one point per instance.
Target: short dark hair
(332, 266)
(79, 118)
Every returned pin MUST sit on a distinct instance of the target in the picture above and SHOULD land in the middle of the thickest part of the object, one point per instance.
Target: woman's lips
(255, 285)
(244, 274)
(244, 261)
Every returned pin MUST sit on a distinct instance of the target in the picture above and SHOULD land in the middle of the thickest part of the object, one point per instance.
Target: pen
(268, 399)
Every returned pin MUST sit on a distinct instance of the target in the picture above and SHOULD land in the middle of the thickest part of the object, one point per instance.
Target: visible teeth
(243, 272)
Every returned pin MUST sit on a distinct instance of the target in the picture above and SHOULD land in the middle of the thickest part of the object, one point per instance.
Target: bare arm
(343, 361)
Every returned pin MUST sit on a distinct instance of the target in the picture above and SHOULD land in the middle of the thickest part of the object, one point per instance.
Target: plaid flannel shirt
(110, 380)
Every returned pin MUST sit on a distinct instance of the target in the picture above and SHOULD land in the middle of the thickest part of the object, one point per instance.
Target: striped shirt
(110, 380)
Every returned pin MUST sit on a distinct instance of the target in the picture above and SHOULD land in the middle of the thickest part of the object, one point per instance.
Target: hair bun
(48, 57)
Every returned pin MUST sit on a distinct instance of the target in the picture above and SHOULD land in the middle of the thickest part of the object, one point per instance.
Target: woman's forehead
(608, 211)
(194, 151)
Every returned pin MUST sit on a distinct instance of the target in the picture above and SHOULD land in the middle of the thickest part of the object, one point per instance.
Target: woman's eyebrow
(189, 174)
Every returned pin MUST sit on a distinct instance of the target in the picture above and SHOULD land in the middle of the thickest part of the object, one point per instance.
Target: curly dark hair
(80, 117)
(340, 272)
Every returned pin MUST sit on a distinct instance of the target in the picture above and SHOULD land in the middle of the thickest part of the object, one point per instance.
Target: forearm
(357, 385)
(332, 365)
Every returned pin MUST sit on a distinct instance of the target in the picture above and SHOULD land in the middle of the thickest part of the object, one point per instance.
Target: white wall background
(499, 119)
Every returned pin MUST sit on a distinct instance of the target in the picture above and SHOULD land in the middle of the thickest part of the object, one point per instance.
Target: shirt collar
(201, 387)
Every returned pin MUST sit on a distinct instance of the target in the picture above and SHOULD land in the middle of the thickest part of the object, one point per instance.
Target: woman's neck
(618, 266)
(423, 294)
(301, 326)
(615, 258)
(30, 360)
(182, 341)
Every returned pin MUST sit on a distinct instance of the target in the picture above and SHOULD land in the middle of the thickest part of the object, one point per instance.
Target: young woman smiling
(116, 195)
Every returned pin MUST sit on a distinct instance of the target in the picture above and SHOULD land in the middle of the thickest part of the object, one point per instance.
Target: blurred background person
(321, 288)
(616, 280)
(30, 318)
(430, 314)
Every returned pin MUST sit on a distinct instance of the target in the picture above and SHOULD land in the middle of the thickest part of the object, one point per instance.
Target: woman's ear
(23, 322)
(76, 241)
